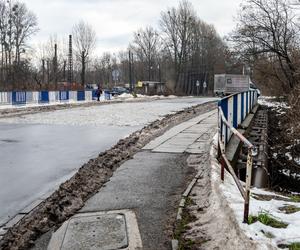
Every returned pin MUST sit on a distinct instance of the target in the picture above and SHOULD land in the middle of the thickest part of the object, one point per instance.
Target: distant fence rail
(49, 97)
(232, 112)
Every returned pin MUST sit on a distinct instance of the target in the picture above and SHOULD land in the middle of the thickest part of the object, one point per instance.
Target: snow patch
(117, 114)
(235, 201)
(280, 107)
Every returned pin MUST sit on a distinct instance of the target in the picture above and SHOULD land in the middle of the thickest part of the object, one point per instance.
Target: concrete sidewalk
(137, 207)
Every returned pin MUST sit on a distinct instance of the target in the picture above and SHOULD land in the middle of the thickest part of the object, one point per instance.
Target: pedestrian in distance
(98, 93)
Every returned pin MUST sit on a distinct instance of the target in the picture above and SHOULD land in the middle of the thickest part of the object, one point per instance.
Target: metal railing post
(252, 151)
(248, 184)
(222, 169)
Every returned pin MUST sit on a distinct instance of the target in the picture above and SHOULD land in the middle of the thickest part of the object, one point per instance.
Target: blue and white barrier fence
(236, 107)
(49, 97)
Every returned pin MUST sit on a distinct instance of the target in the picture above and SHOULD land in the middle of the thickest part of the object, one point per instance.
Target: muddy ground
(72, 194)
(209, 222)
(283, 152)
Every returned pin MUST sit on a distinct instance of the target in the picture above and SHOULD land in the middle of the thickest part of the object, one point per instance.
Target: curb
(185, 195)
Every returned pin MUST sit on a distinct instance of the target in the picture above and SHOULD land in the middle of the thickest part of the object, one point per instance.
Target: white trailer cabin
(226, 84)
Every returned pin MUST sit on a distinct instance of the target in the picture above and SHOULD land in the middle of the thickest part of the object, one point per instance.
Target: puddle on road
(9, 141)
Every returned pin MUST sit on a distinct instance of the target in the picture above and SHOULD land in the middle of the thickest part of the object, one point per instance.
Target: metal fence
(235, 109)
(232, 112)
(48, 97)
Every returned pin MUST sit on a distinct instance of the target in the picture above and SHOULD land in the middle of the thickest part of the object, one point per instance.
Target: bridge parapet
(233, 111)
(235, 108)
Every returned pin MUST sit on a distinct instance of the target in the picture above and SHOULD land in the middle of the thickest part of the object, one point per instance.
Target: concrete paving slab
(194, 151)
(31, 206)
(169, 150)
(201, 126)
(168, 135)
(183, 138)
(204, 137)
(2, 231)
(200, 145)
(184, 144)
(177, 144)
(110, 230)
(210, 121)
(197, 131)
(176, 130)
(14, 221)
(187, 135)
(171, 142)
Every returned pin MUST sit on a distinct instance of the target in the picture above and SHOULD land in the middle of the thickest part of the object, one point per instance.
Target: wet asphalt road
(35, 159)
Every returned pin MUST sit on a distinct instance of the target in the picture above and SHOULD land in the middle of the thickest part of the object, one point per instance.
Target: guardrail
(232, 112)
(49, 97)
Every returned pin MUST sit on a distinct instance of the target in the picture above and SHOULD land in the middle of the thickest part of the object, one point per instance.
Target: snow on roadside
(123, 97)
(31, 105)
(118, 114)
(131, 97)
(255, 231)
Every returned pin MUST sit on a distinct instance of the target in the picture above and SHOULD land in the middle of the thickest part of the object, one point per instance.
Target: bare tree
(176, 25)
(54, 53)
(17, 25)
(25, 25)
(267, 28)
(103, 67)
(84, 40)
(146, 44)
(193, 46)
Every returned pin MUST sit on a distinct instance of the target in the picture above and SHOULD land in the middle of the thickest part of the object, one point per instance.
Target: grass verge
(293, 246)
(295, 198)
(289, 209)
(267, 220)
(181, 227)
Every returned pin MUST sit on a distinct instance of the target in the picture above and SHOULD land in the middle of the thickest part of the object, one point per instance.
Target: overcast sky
(115, 20)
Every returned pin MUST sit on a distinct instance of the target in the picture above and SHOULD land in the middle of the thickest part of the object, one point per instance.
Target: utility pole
(48, 73)
(43, 71)
(55, 66)
(130, 71)
(64, 70)
(70, 62)
(83, 68)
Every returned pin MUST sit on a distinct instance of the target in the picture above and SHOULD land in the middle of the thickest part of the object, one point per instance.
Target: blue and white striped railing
(49, 97)
(235, 108)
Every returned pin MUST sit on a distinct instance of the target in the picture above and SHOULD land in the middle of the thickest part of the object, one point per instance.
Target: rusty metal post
(220, 156)
(248, 184)
(222, 168)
